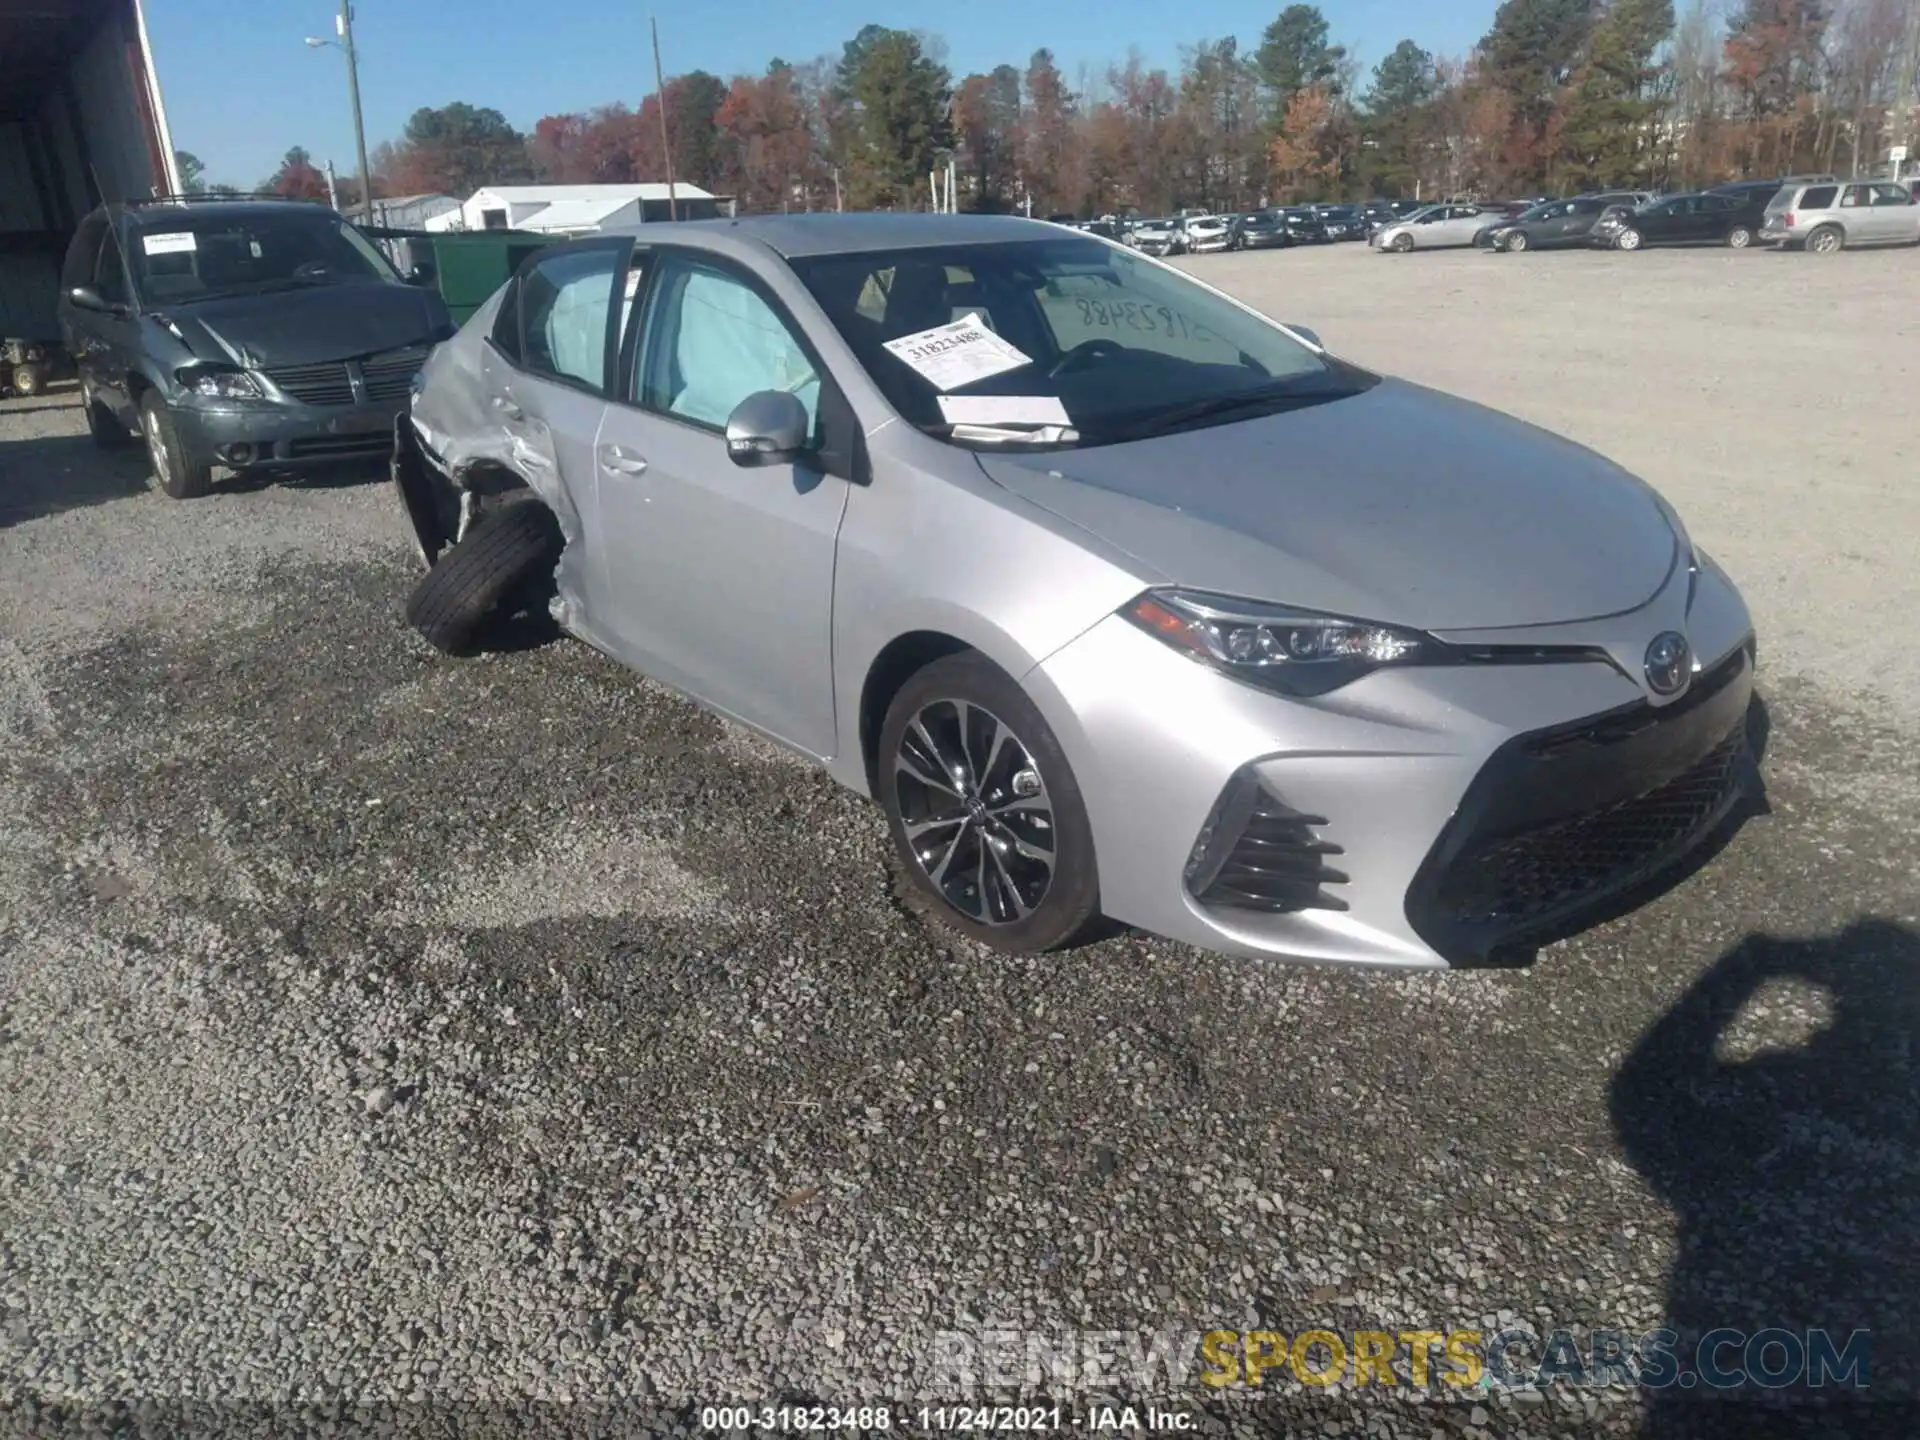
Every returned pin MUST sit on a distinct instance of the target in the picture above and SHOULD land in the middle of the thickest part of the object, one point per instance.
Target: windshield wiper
(1215, 407)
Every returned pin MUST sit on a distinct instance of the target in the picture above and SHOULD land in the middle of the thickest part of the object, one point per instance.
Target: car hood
(299, 327)
(1399, 505)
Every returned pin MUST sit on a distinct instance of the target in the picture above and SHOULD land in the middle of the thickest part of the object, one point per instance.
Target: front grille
(386, 376)
(389, 374)
(1564, 824)
(1523, 879)
(1256, 852)
(322, 383)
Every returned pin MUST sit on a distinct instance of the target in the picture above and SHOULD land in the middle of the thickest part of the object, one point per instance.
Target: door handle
(621, 460)
(508, 409)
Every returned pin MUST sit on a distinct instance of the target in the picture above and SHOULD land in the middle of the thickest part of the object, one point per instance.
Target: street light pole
(345, 26)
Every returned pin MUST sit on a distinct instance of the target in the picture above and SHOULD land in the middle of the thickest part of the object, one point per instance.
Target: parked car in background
(1683, 220)
(1376, 213)
(983, 517)
(1105, 229)
(1342, 222)
(1556, 225)
(1304, 225)
(1437, 227)
(1825, 218)
(1206, 233)
(1754, 192)
(242, 333)
(1632, 199)
(1404, 208)
(1167, 236)
(1261, 230)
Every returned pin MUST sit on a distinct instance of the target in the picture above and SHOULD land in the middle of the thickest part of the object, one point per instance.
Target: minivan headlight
(1295, 652)
(219, 383)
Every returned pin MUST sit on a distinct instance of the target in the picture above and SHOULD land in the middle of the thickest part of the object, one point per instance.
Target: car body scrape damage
(453, 461)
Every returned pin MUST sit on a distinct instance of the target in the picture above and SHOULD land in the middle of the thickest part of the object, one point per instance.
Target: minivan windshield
(1081, 341)
(202, 254)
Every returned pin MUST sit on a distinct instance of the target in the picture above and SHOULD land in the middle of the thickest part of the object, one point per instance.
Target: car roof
(162, 214)
(798, 236)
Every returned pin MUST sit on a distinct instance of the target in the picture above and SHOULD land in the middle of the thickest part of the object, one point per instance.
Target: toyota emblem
(1669, 663)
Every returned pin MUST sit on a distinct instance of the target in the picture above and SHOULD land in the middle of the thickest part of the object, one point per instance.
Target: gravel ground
(490, 1041)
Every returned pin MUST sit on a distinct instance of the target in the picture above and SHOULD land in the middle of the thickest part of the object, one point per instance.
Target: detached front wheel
(502, 566)
(986, 816)
(1627, 239)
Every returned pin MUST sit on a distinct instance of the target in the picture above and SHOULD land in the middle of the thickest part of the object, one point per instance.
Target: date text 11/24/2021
(1036, 1419)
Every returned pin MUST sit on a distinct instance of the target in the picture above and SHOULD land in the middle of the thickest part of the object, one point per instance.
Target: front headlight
(218, 384)
(1294, 652)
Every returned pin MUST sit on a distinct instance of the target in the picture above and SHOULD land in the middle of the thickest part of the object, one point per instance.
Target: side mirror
(769, 427)
(85, 297)
(422, 275)
(1312, 337)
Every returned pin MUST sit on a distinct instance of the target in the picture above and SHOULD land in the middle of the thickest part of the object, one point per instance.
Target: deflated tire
(502, 567)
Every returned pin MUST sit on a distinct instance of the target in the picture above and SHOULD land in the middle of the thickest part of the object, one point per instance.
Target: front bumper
(1205, 247)
(1378, 825)
(286, 433)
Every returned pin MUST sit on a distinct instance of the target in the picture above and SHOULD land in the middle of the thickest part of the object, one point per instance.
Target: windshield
(1430, 212)
(1075, 340)
(202, 255)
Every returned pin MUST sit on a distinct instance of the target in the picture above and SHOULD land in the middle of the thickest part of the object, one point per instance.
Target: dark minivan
(240, 333)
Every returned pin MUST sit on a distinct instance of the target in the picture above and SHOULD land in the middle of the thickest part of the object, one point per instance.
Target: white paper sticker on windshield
(950, 356)
(169, 242)
(1003, 410)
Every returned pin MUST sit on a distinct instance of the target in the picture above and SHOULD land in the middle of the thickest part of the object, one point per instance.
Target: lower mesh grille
(1256, 852)
(1539, 873)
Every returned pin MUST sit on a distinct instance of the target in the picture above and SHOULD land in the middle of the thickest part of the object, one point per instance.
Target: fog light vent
(1256, 852)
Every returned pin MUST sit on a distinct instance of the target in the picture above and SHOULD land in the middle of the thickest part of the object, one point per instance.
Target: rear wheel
(177, 470)
(1827, 240)
(986, 817)
(1740, 237)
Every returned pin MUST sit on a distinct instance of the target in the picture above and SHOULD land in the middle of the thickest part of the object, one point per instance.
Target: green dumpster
(465, 266)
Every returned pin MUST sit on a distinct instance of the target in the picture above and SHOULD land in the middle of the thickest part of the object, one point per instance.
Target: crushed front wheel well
(901, 659)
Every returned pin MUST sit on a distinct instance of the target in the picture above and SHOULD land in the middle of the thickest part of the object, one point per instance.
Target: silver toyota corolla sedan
(1120, 598)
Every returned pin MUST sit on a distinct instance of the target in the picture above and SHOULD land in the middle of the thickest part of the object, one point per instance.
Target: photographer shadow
(1774, 1108)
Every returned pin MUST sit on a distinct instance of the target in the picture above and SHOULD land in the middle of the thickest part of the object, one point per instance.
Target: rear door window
(1818, 197)
(82, 254)
(110, 275)
(1891, 195)
(566, 309)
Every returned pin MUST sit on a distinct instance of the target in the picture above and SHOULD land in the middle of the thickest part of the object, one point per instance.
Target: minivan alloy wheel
(978, 818)
(156, 448)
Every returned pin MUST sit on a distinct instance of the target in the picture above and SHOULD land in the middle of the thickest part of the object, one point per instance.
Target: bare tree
(1863, 49)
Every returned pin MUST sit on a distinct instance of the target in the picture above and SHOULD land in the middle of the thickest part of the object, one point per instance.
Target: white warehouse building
(578, 209)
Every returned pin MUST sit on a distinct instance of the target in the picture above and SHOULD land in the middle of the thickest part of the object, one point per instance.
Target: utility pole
(345, 27)
(666, 137)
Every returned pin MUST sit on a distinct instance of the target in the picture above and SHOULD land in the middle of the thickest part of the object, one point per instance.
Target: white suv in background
(1828, 216)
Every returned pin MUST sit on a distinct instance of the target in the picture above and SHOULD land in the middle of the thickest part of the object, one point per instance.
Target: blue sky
(241, 87)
